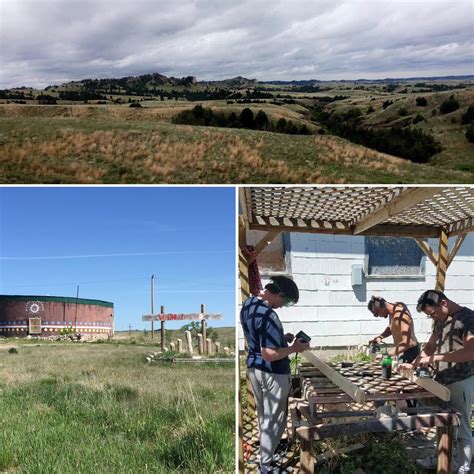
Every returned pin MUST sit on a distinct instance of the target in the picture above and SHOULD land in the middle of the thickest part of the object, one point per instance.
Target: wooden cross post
(202, 316)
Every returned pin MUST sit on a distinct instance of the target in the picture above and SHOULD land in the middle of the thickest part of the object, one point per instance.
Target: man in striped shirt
(268, 362)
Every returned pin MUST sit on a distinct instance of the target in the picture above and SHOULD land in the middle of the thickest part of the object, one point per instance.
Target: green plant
(12, 350)
(470, 133)
(449, 105)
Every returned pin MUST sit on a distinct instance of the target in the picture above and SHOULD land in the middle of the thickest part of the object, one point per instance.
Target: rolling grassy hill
(109, 142)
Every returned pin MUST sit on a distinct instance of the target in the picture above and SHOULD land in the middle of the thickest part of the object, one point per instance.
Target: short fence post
(189, 341)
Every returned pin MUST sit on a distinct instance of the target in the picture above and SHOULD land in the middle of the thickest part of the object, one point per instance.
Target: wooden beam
(242, 232)
(310, 227)
(456, 247)
(430, 385)
(442, 266)
(266, 241)
(423, 244)
(444, 449)
(345, 384)
(461, 228)
(244, 203)
(407, 199)
(307, 459)
(244, 277)
(381, 425)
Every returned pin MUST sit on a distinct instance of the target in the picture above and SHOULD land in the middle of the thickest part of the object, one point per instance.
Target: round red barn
(49, 315)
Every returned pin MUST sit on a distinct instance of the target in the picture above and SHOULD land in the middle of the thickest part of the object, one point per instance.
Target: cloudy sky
(46, 42)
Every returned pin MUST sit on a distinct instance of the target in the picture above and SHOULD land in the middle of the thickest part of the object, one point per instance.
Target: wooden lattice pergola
(440, 212)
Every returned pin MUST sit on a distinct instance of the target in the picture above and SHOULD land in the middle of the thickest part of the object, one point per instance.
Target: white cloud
(44, 42)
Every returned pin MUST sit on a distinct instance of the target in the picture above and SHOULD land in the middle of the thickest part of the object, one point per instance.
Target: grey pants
(271, 399)
(462, 394)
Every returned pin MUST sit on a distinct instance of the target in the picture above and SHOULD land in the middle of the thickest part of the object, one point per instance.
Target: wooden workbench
(343, 401)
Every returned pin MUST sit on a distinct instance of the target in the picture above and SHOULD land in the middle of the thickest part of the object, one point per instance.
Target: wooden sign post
(202, 316)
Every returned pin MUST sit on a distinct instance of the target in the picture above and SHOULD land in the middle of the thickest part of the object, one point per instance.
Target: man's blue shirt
(262, 328)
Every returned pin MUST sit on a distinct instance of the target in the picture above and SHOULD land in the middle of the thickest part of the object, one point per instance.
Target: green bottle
(386, 366)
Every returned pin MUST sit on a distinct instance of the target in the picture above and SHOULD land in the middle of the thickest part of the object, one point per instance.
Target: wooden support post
(203, 329)
(189, 341)
(456, 247)
(179, 343)
(306, 457)
(201, 346)
(244, 294)
(163, 341)
(428, 251)
(442, 266)
(444, 449)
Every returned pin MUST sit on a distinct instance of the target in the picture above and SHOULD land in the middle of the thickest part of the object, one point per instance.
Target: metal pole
(152, 305)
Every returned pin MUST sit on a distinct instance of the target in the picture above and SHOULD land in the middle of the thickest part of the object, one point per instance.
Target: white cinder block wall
(334, 313)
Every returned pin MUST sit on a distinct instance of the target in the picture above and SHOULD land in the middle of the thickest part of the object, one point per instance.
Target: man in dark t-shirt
(450, 350)
(268, 364)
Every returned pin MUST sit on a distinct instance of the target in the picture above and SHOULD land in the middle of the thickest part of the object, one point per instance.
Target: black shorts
(409, 355)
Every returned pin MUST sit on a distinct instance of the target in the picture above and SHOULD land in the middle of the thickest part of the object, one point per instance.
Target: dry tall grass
(88, 157)
(346, 153)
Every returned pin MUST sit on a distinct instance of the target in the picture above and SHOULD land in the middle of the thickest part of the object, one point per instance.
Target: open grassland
(116, 144)
(88, 407)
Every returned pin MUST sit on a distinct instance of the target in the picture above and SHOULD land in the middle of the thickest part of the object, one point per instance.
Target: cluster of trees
(14, 95)
(46, 99)
(414, 145)
(246, 119)
(81, 95)
(449, 105)
(468, 119)
(421, 102)
(439, 87)
(327, 99)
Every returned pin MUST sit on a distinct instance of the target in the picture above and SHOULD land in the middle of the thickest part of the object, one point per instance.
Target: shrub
(135, 105)
(45, 99)
(470, 133)
(449, 105)
(261, 121)
(421, 102)
(370, 109)
(246, 118)
(386, 104)
(403, 112)
(12, 350)
(419, 118)
(468, 117)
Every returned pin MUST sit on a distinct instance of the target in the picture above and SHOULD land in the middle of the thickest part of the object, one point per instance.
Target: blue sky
(109, 240)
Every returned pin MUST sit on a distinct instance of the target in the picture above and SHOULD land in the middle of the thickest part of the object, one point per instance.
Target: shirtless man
(400, 326)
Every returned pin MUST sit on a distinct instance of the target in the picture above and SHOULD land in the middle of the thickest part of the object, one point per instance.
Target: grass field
(116, 144)
(88, 407)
